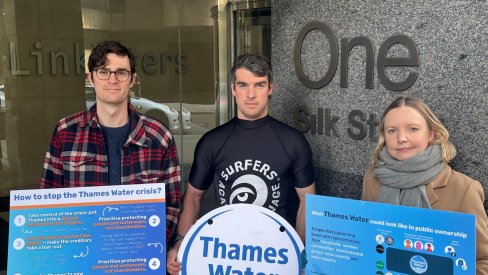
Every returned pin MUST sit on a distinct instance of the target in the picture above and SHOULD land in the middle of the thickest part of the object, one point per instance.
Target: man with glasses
(112, 144)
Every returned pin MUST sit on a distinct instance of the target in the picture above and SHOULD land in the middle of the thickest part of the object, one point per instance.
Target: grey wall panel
(451, 38)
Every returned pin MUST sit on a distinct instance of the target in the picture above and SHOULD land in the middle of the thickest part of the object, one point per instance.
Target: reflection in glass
(174, 47)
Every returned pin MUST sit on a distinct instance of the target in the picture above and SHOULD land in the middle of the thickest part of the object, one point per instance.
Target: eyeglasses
(120, 75)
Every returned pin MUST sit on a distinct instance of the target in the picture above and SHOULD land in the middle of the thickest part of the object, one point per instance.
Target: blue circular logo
(227, 241)
(418, 264)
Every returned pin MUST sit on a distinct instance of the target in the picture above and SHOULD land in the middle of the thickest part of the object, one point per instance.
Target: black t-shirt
(257, 162)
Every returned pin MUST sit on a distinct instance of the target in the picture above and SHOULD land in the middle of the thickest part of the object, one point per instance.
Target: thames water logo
(227, 241)
(418, 264)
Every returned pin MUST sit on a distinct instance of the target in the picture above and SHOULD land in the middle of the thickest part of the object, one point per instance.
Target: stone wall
(450, 39)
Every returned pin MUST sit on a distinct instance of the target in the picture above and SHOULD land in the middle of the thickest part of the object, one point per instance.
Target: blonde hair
(441, 135)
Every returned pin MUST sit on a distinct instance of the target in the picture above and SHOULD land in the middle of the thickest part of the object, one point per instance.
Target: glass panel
(253, 31)
(221, 67)
(182, 48)
(43, 76)
(198, 81)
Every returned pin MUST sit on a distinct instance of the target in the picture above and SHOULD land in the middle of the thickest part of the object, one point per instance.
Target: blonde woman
(409, 166)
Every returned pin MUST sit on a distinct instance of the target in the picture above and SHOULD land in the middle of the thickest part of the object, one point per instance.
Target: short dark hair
(255, 63)
(98, 56)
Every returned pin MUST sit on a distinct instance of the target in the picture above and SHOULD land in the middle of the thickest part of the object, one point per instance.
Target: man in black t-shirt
(251, 159)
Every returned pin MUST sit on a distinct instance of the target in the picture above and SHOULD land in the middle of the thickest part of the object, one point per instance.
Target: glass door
(252, 27)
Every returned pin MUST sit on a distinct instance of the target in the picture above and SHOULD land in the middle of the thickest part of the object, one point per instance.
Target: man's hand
(189, 214)
(172, 265)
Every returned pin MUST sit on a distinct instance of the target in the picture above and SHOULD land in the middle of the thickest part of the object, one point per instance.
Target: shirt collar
(137, 134)
(252, 123)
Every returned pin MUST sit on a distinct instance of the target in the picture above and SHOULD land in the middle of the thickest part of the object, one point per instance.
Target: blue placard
(357, 237)
(88, 230)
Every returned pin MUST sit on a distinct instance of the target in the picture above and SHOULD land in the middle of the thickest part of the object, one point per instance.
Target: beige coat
(450, 191)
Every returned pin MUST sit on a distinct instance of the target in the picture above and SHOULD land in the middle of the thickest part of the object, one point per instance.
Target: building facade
(337, 65)
(183, 52)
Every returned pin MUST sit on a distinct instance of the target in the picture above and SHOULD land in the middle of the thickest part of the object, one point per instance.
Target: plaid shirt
(77, 156)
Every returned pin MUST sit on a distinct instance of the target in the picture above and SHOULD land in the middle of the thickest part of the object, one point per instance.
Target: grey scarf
(404, 181)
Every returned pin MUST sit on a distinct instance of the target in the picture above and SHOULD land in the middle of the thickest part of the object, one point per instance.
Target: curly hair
(98, 56)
